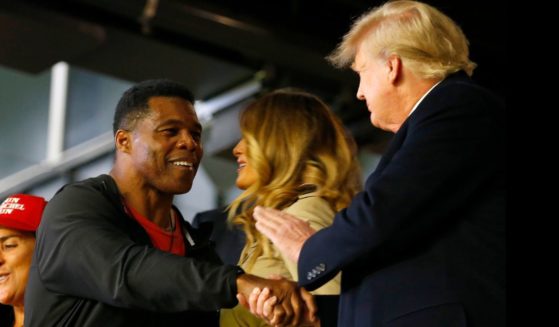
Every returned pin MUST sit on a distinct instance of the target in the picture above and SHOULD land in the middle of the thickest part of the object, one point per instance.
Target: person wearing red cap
(20, 215)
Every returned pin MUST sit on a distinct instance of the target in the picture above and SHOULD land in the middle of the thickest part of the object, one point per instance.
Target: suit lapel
(393, 147)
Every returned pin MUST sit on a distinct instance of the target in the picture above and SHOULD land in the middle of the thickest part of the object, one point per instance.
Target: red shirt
(168, 241)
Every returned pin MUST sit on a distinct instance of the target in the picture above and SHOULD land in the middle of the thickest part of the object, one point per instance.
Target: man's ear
(394, 66)
(123, 140)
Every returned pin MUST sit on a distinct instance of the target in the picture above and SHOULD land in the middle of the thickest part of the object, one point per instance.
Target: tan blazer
(319, 214)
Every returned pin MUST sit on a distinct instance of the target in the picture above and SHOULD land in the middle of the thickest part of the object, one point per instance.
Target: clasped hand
(280, 303)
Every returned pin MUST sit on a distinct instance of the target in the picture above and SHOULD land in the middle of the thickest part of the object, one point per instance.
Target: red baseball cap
(22, 212)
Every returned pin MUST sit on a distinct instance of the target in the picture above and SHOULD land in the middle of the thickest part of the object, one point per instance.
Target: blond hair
(295, 144)
(429, 43)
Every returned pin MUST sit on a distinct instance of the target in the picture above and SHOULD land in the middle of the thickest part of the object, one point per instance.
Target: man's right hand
(279, 302)
(287, 232)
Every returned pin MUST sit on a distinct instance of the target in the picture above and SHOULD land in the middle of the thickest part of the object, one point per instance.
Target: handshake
(279, 302)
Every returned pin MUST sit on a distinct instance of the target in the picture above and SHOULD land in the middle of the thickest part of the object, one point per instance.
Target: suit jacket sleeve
(83, 251)
(445, 152)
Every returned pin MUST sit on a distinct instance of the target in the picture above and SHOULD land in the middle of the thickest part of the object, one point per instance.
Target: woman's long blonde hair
(295, 143)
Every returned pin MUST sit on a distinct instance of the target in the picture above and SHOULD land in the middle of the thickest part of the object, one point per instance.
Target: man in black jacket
(114, 251)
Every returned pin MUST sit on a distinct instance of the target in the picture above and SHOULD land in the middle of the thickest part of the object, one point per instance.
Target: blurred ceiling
(213, 45)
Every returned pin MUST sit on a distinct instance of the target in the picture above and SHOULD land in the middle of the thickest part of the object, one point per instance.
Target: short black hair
(133, 105)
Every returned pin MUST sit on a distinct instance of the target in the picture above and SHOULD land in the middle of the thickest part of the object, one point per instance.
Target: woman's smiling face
(16, 251)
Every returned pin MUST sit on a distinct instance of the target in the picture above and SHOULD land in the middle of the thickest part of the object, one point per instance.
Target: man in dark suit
(424, 244)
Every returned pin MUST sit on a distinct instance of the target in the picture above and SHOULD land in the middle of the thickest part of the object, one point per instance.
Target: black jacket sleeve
(85, 249)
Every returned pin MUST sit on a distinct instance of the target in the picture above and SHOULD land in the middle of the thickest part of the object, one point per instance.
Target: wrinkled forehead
(163, 105)
(171, 110)
(360, 59)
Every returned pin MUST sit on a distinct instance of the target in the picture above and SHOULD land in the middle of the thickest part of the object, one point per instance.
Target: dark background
(214, 45)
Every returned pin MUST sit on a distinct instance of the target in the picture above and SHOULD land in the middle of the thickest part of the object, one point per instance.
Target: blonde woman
(295, 156)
